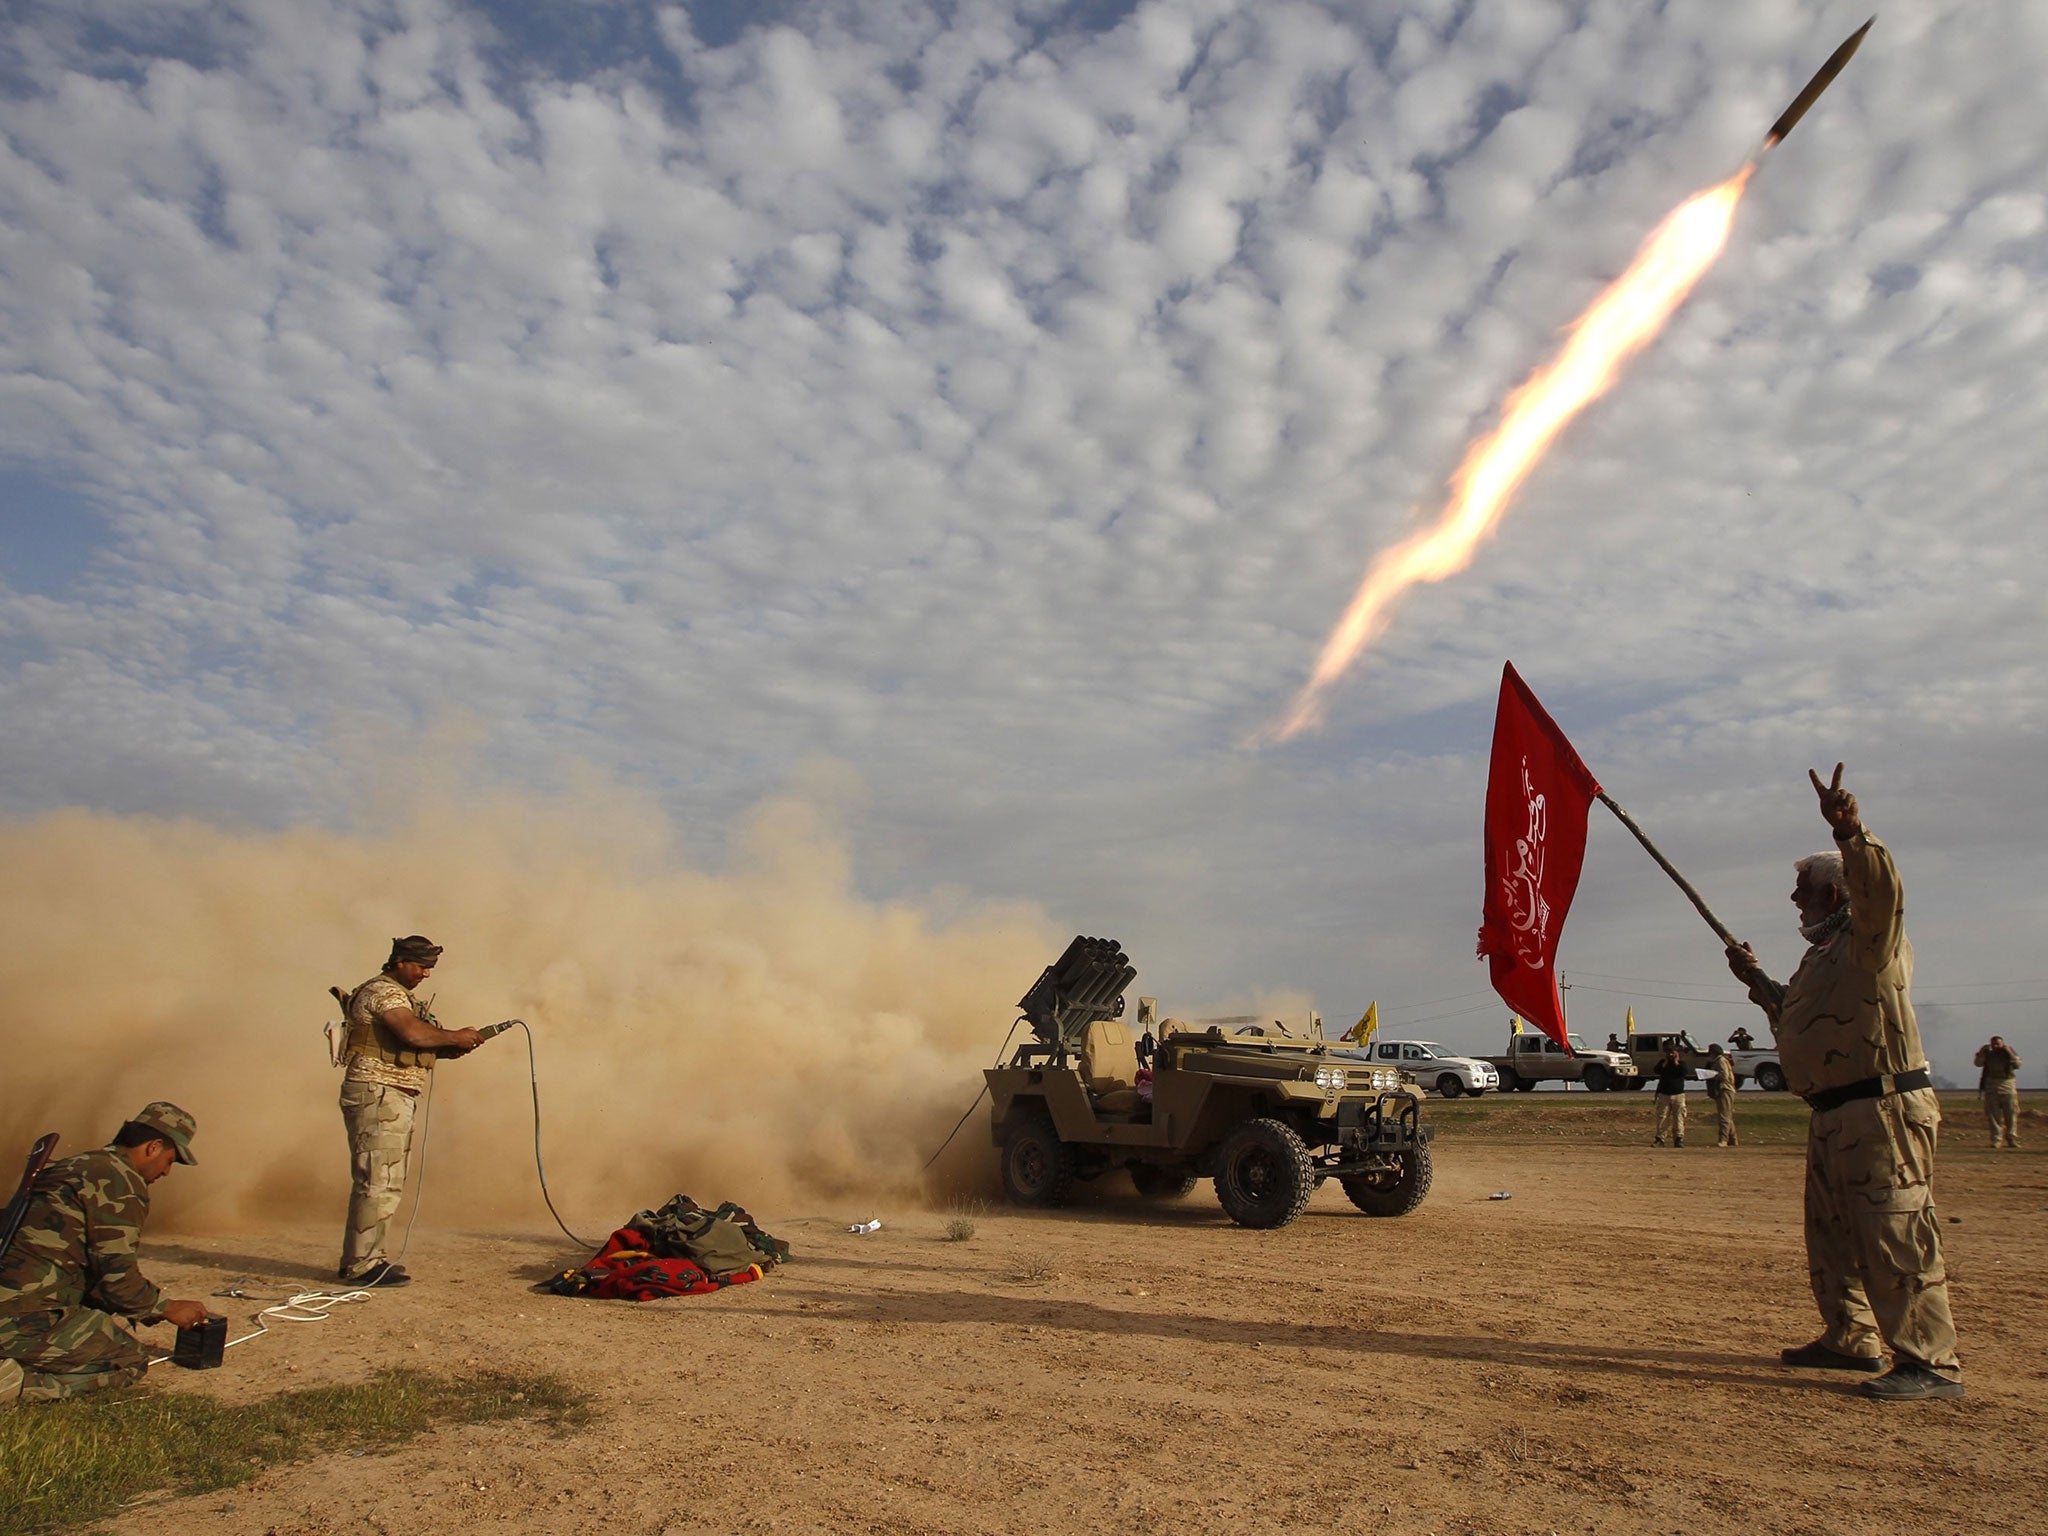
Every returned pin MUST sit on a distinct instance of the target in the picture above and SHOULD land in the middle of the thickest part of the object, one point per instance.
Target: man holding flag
(1846, 1035)
(1851, 1048)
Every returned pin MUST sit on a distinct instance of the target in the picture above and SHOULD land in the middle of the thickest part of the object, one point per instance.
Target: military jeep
(1267, 1117)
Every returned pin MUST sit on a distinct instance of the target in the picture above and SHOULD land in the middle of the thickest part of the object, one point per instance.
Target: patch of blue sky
(560, 41)
(578, 40)
(551, 40)
(1084, 16)
(113, 48)
(484, 592)
(49, 533)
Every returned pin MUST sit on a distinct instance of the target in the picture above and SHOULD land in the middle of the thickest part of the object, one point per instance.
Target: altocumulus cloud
(1003, 399)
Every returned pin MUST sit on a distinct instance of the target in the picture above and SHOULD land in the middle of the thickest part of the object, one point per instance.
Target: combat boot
(1818, 1357)
(1908, 1381)
(383, 1274)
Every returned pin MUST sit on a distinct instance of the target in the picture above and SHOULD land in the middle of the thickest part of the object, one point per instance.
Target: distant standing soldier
(1741, 1038)
(69, 1283)
(1850, 1047)
(1721, 1084)
(1672, 1076)
(1998, 1080)
(392, 1045)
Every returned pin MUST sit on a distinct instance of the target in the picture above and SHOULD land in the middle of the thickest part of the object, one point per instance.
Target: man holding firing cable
(392, 1044)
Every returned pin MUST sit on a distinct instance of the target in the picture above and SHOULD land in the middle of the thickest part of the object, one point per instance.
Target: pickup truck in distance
(1761, 1067)
(1430, 1066)
(1532, 1058)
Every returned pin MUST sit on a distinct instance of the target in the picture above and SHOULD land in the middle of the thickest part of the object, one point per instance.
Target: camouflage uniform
(69, 1279)
(379, 1092)
(1999, 1083)
(1722, 1087)
(1873, 1241)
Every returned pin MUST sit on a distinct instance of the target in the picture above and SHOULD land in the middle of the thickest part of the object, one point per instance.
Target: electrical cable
(977, 1101)
(304, 1307)
(419, 1191)
(539, 1168)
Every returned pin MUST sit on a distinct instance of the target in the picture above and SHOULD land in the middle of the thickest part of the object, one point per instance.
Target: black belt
(1869, 1088)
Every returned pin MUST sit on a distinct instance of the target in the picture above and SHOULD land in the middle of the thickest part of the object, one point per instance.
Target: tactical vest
(369, 1036)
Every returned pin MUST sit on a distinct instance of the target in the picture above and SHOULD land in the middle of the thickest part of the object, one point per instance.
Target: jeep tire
(1263, 1174)
(1449, 1086)
(1771, 1077)
(1395, 1192)
(1038, 1168)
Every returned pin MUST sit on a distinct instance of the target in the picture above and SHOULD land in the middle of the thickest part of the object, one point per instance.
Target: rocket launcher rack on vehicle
(1084, 986)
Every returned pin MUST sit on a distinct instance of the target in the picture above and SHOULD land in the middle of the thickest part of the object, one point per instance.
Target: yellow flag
(1631, 1021)
(1367, 1026)
(1516, 1027)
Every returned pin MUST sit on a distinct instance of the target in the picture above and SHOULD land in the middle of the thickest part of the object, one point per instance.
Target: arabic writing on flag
(1537, 796)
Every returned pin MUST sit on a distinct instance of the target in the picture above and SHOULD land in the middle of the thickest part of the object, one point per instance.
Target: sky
(972, 417)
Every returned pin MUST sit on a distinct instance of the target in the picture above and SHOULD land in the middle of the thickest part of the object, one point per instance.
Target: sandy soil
(1594, 1355)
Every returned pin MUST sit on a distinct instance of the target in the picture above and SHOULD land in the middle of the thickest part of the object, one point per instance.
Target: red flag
(1537, 795)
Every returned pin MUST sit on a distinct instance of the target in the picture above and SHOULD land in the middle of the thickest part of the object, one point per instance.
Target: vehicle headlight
(1329, 1077)
(1386, 1079)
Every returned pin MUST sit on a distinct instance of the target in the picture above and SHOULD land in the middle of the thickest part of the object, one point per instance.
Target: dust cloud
(761, 1033)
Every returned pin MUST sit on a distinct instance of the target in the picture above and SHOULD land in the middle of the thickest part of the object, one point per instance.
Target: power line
(1455, 1014)
(1730, 1002)
(1718, 1002)
(1930, 986)
(1655, 981)
(1977, 1002)
(1456, 997)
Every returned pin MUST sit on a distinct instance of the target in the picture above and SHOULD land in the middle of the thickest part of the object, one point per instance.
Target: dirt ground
(1595, 1354)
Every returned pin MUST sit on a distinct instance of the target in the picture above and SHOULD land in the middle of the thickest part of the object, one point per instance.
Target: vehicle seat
(1109, 1067)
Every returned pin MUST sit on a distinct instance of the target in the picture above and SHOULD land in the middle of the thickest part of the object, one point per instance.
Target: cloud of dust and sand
(762, 1033)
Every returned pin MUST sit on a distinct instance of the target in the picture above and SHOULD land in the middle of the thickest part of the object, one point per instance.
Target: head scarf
(416, 948)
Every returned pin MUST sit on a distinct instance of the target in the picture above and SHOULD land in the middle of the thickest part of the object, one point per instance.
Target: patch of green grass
(72, 1462)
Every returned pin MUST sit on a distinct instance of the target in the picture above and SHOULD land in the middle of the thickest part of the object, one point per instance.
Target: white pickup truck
(1532, 1058)
(1431, 1066)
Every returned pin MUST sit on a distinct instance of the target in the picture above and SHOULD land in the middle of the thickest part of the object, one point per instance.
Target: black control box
(200, 1349)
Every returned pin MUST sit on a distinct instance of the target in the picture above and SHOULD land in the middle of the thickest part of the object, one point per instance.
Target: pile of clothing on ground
(680, 1250)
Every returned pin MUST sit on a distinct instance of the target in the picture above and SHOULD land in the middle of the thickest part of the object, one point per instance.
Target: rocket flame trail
(1618, 324)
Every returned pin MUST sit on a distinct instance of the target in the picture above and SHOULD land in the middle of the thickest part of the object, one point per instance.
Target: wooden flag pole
(1684, 885)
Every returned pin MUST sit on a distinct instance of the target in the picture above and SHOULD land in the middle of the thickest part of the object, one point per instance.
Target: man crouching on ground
(392, 1045)
(69, 1279)
(1850, 1047)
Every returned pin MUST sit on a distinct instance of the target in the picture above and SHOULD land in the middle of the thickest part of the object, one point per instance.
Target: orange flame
(1617, 325)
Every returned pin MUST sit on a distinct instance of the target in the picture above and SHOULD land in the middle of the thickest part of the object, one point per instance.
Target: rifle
(17, 1208)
